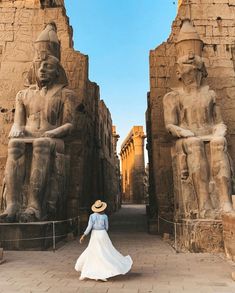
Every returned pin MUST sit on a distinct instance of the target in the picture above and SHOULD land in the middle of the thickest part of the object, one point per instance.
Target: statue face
(47, 71)
(190, 74)
(190, 69)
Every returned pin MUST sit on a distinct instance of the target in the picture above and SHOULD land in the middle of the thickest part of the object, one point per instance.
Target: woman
(100, 260)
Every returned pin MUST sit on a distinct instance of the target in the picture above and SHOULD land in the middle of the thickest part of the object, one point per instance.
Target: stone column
(133, 145)
(139, 165)
(131, 170)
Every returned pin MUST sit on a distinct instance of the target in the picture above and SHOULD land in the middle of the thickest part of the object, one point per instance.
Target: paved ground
(157, 268)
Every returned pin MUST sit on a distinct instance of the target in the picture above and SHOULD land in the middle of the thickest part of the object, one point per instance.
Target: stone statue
(44, 115)
(193, 118)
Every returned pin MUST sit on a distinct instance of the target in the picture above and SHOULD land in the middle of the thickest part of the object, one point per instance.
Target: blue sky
(117, 36)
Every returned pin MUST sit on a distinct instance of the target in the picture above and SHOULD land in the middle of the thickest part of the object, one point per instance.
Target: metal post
(78, 225)
(158, 224)
(53, 231)
(175, 237)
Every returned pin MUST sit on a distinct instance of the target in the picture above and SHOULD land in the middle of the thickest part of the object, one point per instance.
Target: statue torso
(195, 110)
(42, 112)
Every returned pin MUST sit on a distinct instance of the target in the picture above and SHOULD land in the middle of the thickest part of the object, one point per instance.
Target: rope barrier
(53, 236)
(175, 231)
(36, 238)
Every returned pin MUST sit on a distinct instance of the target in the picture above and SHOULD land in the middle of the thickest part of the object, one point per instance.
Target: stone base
(2, 260)
(201, 235)
(152, 226)
(229, 235)
(32, 236)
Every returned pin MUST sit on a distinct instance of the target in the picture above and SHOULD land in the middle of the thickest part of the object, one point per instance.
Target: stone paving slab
(156, 269)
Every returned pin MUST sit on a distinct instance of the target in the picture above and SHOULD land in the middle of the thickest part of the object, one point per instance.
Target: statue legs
(14, 176)
(198, 170)
(221, 172)
(42, 149)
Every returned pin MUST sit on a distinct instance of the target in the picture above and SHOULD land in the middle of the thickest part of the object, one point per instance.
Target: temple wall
(214, 21)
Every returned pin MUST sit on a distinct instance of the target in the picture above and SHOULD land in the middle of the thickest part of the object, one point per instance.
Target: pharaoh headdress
(46, 45)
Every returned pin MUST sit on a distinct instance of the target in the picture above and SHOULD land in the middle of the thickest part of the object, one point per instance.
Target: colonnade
(133, 166)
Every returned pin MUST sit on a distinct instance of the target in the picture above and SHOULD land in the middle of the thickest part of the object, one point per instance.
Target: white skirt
(100, 260)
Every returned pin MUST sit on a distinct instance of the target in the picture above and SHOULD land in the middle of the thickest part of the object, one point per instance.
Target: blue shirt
(97, 222)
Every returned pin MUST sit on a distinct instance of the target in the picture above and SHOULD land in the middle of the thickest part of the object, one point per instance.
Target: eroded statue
(44, 115)
(201, 164)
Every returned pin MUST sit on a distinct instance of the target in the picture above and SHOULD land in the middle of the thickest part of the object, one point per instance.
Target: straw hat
(99, 206)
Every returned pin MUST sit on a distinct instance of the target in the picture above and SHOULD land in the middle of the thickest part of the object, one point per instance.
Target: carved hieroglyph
(44, 115)
(201, 164)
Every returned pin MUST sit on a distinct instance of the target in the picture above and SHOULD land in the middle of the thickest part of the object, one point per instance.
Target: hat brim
(100, 209)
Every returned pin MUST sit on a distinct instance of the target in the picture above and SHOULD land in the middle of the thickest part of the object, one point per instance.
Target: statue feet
(29, 215)
(10, 214)
(209, 214)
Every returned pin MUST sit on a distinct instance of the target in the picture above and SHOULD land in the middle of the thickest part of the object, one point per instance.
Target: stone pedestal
(229, 235)
(201, 235)
(1, 256)
(34, 236)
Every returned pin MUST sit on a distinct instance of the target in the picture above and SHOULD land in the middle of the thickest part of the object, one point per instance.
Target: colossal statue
(201, 165)
(44, 119)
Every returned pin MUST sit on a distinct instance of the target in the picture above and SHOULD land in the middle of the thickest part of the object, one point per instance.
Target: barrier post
(158, 224)
(175, 237)
(53, 231)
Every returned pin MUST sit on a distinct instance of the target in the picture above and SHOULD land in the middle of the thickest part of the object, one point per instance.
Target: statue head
(46, 68)
(190, 66)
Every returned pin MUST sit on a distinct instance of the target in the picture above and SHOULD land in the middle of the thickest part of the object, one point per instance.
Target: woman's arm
(88, 229)
(106, 222)
(89, 226)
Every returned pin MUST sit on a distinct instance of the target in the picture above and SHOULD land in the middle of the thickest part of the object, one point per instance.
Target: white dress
(100, 260)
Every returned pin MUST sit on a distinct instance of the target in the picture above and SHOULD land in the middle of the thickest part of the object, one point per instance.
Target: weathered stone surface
(229, 235)
(201, 235)
(133, 169)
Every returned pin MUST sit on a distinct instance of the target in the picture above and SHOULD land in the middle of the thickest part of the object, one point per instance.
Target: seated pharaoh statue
(202, 168)
(44, 116)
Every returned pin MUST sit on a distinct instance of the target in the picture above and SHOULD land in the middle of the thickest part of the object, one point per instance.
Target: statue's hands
(16, 131)
(50, 134)
(178, 131)
(220, 130)
(59, 131)
(186, 133)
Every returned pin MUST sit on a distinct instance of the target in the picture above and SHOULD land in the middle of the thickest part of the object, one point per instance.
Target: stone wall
(21, 21)
(214, 21)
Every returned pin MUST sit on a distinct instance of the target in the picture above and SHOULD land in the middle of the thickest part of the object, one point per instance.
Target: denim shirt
(97, 222)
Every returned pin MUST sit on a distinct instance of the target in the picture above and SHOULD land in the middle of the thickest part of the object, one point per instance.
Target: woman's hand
(82, 238)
